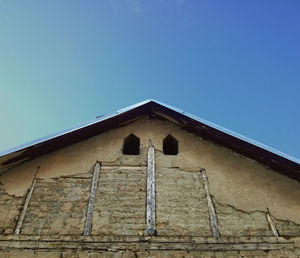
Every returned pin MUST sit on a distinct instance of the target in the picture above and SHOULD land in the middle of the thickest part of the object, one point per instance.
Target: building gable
(89, 195)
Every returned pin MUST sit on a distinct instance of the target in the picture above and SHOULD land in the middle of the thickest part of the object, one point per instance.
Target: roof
(268, 156)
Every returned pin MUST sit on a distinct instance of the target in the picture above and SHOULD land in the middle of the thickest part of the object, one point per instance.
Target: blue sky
(234, 63)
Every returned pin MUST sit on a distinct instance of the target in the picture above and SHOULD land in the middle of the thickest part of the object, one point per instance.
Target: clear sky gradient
(234, 63)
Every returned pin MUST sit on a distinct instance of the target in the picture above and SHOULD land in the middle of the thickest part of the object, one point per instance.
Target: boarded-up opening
(131, 145)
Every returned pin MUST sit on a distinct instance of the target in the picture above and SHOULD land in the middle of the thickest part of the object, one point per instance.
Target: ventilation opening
(131, 145)
(170, 145)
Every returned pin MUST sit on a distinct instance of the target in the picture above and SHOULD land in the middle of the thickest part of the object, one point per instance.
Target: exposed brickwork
(10, 207)
(233, 222)
(120, 203)
(181, 203)
(286, 227)
(57, 207)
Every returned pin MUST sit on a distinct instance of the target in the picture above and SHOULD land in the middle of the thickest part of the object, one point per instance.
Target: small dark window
(131, 145)
(170, 145)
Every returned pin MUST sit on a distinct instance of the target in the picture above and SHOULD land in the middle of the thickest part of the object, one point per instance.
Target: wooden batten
(211, 208)
(272, 224)
(91, 205)
(25, 206)
(150, 212)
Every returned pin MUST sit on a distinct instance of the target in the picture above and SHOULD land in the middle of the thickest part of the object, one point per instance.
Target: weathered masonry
(148, 181)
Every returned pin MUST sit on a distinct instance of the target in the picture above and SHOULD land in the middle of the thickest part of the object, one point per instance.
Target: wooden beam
(150, 239)
(91, 205)
(58, 245)
(150, 212)
(211, 208)
(271, 223)
(137, 168)
(25, 206)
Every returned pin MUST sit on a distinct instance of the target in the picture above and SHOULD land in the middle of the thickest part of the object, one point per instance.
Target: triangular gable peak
(149, 177)
(153, 109)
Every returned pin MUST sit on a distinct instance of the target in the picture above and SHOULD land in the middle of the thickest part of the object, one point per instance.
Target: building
(148, 180)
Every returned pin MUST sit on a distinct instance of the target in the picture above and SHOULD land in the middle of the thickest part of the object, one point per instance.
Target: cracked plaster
(233, 179)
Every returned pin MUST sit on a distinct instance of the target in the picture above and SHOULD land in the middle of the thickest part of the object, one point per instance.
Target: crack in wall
(291, 226)
(2, 189)
(276, 227)
(237, 222)
(193, 151)
(286, 228)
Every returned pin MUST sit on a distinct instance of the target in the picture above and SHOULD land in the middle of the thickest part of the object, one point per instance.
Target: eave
(268, 156)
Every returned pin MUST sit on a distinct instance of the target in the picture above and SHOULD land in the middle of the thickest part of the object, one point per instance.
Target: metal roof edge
(232, 133)
(71, 129)
(128, 108)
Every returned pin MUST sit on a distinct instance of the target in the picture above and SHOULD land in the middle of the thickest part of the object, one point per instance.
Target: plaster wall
(234, 180)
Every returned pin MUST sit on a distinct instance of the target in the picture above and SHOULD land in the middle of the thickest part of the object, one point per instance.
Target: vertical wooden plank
(211, 208)
(91, 205)
(150, 212)
(272, 225)
(25, 206)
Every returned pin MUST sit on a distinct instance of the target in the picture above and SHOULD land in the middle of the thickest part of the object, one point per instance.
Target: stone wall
(120, 202)
(233, 222)
(181, 203)
(57, 207)
(10, 208)
(287, 228)
(146, 247)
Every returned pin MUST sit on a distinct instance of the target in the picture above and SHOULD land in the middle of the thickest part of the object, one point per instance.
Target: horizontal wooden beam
(57, 245)
(123, 167)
